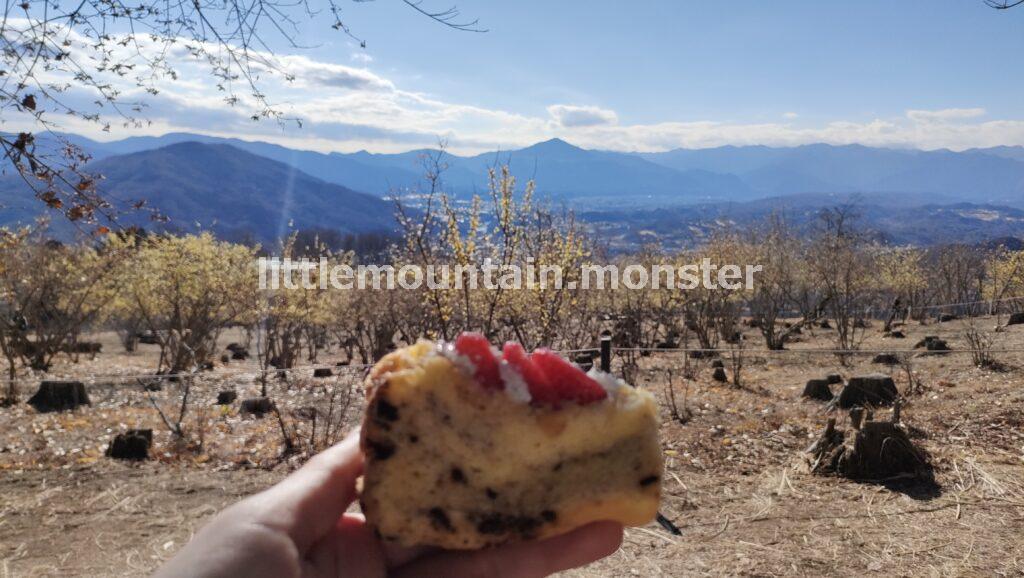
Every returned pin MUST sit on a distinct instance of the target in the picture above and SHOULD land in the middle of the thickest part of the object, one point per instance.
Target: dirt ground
(736, 485)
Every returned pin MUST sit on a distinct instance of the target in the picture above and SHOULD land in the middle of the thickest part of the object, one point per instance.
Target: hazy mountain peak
(554, 145)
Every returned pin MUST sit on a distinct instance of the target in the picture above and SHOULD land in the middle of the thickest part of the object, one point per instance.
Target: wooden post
(856, 416)
(606, 353)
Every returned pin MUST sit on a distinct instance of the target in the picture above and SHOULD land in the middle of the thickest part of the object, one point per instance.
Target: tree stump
(132, 445)
(59, 396)
(924, 342)
(817, 389)
(874, 390)
(886, 359)
(882, 450)
(323, 372)
(937, 346)
(256, 406)
(827, 448)
(719, 375)
(878, 451)
(226, 397)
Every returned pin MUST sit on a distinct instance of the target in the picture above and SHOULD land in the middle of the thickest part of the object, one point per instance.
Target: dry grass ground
(736, 482)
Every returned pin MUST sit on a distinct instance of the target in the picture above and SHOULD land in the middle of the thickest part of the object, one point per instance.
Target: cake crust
(451, 465)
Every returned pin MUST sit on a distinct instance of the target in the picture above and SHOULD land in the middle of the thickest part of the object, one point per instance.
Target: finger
(400, 555)
(308, 503)
(392, 554)
(350, 549)
(525, 560)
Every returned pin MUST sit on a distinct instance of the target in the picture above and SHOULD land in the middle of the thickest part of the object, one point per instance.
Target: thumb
(308, 504)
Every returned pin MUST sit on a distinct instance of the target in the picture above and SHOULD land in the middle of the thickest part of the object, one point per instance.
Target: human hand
(299, 528)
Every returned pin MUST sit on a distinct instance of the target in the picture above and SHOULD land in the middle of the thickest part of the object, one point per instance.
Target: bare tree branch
(1003, 4)
(75, 58)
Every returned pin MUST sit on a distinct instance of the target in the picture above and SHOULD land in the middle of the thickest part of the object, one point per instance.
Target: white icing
(607, 381)
(515, 385)
(447, 350)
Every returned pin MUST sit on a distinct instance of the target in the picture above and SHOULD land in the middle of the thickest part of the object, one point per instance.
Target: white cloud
(946, 114)
(347, 108)
(308, 73)
(571, 116)
(361, 57)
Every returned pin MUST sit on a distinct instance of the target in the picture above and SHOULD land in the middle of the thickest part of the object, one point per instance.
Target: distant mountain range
(560, 169)
(977, 175)
(912, 220)
(729, 173)
(219, 188)
(260, 189)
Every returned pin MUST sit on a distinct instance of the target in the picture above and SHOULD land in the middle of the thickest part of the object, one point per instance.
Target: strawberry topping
(477, 349)
(540, 389)
(565, 381)
(550, 379)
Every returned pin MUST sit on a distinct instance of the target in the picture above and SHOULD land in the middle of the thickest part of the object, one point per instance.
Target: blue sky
(683, 60)
(650, 75)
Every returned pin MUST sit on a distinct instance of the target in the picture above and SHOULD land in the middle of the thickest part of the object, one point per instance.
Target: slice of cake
(469, 447)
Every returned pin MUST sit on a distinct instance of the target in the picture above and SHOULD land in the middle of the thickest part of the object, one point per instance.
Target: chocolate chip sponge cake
(467, 447)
